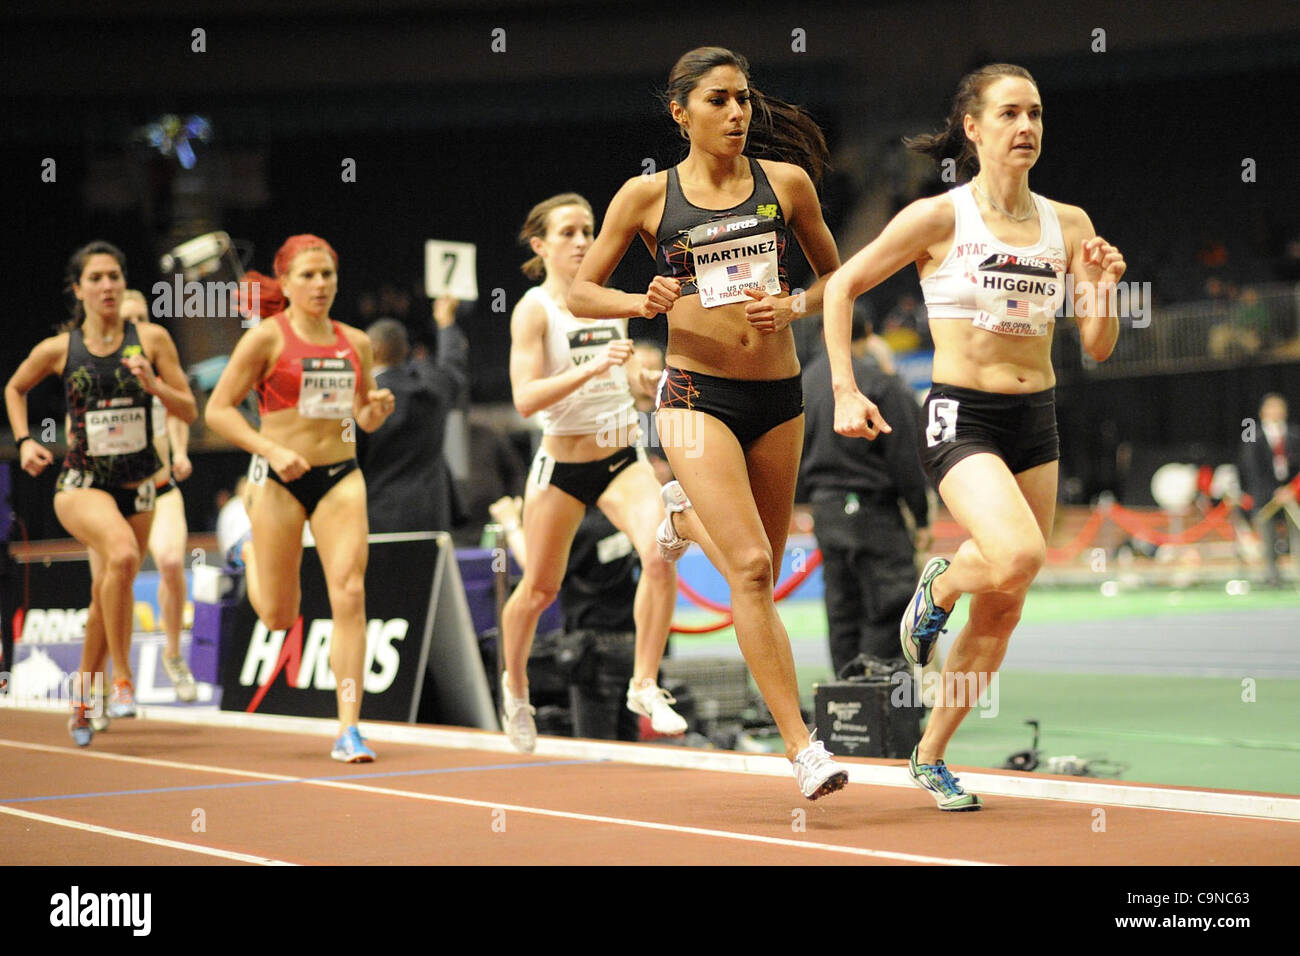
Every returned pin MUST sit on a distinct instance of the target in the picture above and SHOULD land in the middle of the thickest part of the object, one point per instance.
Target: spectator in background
(408, 483)
(1270, 474)
(868, 553)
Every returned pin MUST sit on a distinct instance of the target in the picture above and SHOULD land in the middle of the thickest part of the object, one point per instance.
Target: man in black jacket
(868, 555)
(1270, 474)
(408, 484)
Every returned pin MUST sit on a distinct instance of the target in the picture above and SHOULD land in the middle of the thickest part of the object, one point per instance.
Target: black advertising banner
(288, 672)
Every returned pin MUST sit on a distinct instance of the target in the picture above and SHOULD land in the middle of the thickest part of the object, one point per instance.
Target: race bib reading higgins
(115, 431)
(1018, 295)
(326, 389)
(732, 255)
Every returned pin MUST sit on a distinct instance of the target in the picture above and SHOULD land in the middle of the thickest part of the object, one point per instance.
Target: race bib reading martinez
(588, 344)
(115, 431)
(326, 388)
(732, 255)
(1018, 295)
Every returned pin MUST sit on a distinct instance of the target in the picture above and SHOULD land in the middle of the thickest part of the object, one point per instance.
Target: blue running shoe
(937, 780)
(79, 727)
(350, 748)
(923, 621)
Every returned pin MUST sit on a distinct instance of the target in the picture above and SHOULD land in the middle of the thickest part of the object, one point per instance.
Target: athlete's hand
(616, 353)
(288, 464)
(378, 406)
(661, 295)
(1102, 261)
(770, 313)
(856, 416)
(141, 369)
(182, 468)
(34, 457)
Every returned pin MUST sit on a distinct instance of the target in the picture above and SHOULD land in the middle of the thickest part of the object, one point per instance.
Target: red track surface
(425, 805)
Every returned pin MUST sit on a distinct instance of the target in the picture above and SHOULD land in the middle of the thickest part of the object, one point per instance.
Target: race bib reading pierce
(326, 388)
(732, 255)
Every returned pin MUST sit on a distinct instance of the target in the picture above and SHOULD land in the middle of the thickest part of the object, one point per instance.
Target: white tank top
(1013, 290)
(159, 418)
(603, 402)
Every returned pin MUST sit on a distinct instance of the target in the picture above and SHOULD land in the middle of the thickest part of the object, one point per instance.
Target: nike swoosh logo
(335, 470)
(343, 354)
(616, 466)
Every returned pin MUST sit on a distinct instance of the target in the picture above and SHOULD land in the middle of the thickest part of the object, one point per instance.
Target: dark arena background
(1152, 689)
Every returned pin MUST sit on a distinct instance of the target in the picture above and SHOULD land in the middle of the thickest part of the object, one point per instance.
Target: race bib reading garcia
(732, 255)
(115, 431)
(326, 389)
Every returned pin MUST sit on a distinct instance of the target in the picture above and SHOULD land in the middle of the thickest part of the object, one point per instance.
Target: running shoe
(937, 780)
(816, 773)
(672, 545)
(178, 672)
(350, 748)
(122, 703)
(517, 719)
(652, 701)
(923, 621)
(79, 726)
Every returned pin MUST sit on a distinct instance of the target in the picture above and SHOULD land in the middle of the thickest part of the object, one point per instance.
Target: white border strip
(1023, 785)
(141, 838)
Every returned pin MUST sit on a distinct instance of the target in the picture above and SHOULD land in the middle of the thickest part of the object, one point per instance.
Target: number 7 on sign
(449, 270)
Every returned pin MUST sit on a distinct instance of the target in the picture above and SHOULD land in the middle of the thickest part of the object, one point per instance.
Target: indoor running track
(156, 792)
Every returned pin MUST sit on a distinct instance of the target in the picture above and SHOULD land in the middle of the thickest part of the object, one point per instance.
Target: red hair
(270, 296)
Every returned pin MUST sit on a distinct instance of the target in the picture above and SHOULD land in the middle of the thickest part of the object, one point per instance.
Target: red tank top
(319, 380)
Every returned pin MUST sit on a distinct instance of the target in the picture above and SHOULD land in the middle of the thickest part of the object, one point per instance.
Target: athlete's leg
(167, 540)
(340, 527)
(718, 483)
(273, 557)
(551, 519)
(631, 502)
(979, 648)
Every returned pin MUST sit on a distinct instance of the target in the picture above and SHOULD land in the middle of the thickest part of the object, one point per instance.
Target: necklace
(1033, 207)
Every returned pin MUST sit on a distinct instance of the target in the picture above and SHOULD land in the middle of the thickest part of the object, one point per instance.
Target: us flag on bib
(1018, 308)
(740, 271)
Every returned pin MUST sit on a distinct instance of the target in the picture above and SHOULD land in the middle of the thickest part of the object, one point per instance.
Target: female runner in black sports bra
(730, 412)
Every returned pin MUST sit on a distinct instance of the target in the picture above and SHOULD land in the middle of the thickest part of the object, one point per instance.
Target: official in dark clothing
(1270, 474)
(856, 486)
(408, 483)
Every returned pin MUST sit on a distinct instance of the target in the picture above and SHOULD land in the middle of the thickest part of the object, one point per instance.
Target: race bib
(732, 255)
(326, 388)
(257, 469)
(587, 345)
(1017, 295)
(115, 431)
(159, 418)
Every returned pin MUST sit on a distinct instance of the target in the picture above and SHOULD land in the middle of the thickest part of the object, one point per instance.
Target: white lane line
(142, 838)
(484, 804)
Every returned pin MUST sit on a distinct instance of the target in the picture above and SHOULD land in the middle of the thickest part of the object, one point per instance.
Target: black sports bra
(754, 227)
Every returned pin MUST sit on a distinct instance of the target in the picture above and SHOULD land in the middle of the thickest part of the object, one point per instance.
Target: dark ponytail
(951, 142)
(778, 130)
(72, 276)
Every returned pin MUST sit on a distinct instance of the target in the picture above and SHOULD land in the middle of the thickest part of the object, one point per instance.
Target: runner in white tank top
(993, 260)
(576, 374)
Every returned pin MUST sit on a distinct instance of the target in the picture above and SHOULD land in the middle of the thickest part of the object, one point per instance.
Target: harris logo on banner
(418, 640)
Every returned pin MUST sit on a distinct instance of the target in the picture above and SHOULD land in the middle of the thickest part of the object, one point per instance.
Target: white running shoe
(672, 545)
(816, 773)
(178, 672)
(517, 719)
(652, 701)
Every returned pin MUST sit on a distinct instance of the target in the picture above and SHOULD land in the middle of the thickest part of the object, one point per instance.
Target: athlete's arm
(45, 359)
(774, 313)
(532, 390)
(906, 239)
(1097, 267)
(247, 366)
(168, 381)
(178, 439)
(625, 218)
(378, 403)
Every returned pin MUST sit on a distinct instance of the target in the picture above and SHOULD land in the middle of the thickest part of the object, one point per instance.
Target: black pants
(598, 687)
(869, 568)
